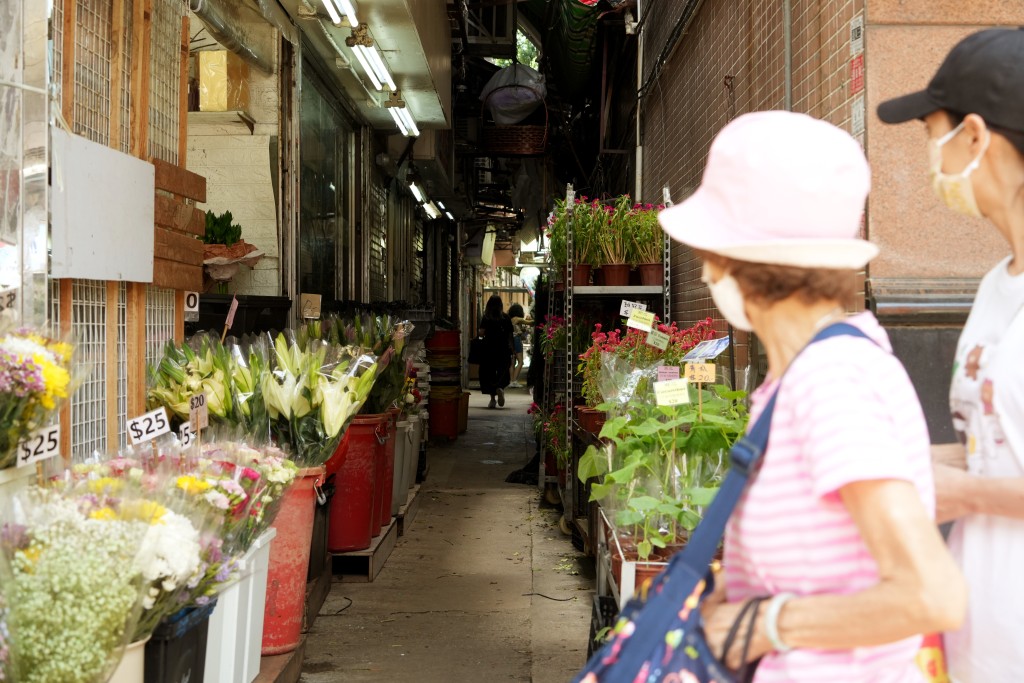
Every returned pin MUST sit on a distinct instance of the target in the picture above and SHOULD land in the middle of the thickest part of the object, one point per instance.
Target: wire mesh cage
(89, 401)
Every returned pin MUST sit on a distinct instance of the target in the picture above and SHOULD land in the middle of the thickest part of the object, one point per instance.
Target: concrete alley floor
(482, 586)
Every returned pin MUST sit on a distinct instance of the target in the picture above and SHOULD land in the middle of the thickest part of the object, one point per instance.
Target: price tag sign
(8, 298)
(148, 426)
(310, 306)
(198, 413)
(40, 445)
(186, 436)
(231, 313)
(658, 340)
(672, 392)
(191, 306)
(628, 307)
(641, 320)
(700, 373)
(667, 372)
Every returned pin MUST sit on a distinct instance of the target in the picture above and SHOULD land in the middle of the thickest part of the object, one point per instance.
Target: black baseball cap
(983, 74)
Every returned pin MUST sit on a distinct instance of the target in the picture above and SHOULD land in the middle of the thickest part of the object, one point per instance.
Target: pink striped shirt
(846, 412)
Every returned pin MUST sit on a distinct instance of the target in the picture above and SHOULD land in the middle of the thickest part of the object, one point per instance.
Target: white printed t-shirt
(987, 402)
(846, 412)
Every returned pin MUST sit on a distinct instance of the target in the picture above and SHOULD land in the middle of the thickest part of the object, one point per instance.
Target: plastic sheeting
(513, 93)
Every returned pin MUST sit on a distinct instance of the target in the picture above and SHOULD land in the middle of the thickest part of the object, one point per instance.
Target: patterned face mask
(955, 189)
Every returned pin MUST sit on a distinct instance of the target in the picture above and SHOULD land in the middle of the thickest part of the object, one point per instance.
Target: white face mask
(727, 296)
(955, 189)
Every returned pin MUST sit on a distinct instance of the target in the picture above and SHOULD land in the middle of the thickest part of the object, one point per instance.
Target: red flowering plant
(648, 241)
(632, 347)
(552, 336)
(554, 433)
(537, 413)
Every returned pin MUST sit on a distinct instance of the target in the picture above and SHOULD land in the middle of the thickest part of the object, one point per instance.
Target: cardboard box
(223, 81)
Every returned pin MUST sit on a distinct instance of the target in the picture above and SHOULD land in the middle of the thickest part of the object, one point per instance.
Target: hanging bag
(659, 636)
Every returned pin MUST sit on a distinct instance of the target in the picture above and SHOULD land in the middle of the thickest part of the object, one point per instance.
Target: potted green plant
(648, 243)
(615, 242)
(557, 241)
(225, 251)
(588, 220)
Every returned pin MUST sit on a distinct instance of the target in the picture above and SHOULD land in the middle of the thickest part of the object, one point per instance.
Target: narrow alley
(482, 582)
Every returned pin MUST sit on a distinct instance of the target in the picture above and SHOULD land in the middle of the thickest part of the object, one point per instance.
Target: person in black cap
(973, 110)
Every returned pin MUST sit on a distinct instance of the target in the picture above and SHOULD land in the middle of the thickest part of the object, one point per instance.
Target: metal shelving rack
(575, 497)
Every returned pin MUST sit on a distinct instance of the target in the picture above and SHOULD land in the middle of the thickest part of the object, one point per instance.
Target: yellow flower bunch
(191, 484)
(55, 380)
(105, 485)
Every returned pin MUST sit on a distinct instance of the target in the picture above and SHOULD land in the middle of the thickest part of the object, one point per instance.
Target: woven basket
(514, 140)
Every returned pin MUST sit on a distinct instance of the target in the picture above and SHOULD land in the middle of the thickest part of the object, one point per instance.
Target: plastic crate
(255, 314)
(602, 616)
(177, 651)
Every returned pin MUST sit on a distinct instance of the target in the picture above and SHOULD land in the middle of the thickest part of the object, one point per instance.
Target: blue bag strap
(745, 455)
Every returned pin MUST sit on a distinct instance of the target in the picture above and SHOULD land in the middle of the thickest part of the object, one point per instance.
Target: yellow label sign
(700, 373)
(641, 320)
(672, 392)
(658, 340)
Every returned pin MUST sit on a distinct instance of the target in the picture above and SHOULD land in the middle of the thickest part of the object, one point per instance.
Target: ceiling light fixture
(335, 17)
(363, 45)
(416, 191)
(450, 216)
(398, 121)
(431, 210)
(367, 68)
(441, 206)
(349, 10)
(400, 112)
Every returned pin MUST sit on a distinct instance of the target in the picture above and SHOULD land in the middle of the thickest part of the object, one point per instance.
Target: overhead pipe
(215, 15)
(787, 38)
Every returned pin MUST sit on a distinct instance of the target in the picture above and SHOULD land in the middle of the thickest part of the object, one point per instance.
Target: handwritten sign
(673, 392)
(185, 435)
(658, 340)
(198, 413)
(667, 372)
(40, 445)
(628, 307)
(8, 298)
(700, 373)
(148, 426)
(641, 320)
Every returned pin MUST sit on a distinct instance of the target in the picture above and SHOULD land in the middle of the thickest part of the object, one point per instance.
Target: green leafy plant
(648, 240)
(221, 229)
(663, 464)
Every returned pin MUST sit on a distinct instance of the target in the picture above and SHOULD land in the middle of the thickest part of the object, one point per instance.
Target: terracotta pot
(646, 572)
(652, 274)
(616, 274)
(591, 420)
(597, 275)
(581, 274)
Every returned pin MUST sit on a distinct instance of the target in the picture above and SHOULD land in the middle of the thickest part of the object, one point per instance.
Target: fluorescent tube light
(398, 121)
(382, 69)
(450, 216)
(409, 122)
(349, 10)
(431, 210)
(416, 192)
(441, 206)
(358, 50)
(335, 17)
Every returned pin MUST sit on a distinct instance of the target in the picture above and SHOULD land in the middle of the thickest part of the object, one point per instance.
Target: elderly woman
(837, 524)
(973, 111)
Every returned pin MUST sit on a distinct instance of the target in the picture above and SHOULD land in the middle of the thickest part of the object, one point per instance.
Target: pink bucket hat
(779, 188)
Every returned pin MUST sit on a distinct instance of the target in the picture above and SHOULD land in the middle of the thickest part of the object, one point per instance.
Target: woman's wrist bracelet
(771, 621)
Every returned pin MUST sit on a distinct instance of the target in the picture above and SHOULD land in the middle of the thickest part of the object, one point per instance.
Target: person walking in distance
(496, 330)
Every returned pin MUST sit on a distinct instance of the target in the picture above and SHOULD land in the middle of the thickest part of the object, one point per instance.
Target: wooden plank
(67, 85)
(183, 93)
(142, 38)
(408, 511)
(285, 668)
(136, 338)
(179, 316)
(174, 246)
(113, 421)
(180, 181)
(117, 57)
(66, 313)
(367, 563)
(173, 214)
(175, 275)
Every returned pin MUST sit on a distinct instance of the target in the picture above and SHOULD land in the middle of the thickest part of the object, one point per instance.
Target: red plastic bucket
(289, 564)
(386, 485)
(444, 339)
(353, 518)
(444, 417)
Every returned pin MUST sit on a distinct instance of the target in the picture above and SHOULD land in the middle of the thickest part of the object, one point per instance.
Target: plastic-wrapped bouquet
(201, 366)
(35, 376)
(73, 590)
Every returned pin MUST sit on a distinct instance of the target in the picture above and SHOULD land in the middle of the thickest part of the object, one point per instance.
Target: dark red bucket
(354, 518)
